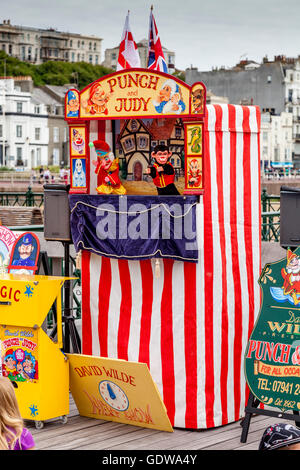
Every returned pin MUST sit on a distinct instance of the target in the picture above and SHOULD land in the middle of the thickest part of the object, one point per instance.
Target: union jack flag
(156, 59)
(128, 52)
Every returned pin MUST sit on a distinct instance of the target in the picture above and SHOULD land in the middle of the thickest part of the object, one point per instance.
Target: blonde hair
(11, 422)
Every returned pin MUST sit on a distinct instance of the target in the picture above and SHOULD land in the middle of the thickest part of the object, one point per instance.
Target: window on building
(37, 109)
(73, 56)
(90, 46)
(143, 142)
(96, 59)
(37, 133)
(78, 44)
(56, 156)
(265, 136)
(290, 98)
(90, 58)
(113, 56)
(29, 53)
(19, 131)
(1, 130)
(55, 134)
(128, 143)
(178, 133)
(38, 156)
(10, 49)
(19, 156)
(134, 125)
(19, 107)
(95, 46)
(71, 43)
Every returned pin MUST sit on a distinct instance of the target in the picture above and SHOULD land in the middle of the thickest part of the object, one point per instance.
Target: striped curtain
(190, 325)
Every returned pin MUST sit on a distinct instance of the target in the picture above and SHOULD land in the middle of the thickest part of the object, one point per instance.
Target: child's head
(10, 417)
(282, 436)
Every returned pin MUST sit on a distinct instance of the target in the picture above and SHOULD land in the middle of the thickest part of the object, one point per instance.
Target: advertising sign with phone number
(272, 359)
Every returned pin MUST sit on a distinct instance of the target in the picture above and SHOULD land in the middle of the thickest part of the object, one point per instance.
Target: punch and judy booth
(29, 358)
(169, 276)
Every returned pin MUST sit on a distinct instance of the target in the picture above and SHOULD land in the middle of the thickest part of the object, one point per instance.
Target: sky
(203, 34)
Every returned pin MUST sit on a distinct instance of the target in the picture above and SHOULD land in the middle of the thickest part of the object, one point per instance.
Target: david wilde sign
(272, 359)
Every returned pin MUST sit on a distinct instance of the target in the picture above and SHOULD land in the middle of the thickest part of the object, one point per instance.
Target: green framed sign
(272, 358)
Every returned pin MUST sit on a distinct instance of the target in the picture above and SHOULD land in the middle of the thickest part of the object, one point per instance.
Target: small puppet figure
(169, 99)
(79, 178)
(77, 141)
(291, 276)
(194, 173)
(162, 171)
(97, 101)
(107, 169)
(72, 104)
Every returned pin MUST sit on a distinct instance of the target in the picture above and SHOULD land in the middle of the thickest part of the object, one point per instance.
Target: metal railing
(27, 198)
(270, 217)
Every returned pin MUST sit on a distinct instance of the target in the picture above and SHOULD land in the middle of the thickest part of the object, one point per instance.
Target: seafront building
(37, 45)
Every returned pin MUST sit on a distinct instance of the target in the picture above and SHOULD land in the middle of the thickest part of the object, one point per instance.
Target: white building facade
(24, 133)
(276, 140)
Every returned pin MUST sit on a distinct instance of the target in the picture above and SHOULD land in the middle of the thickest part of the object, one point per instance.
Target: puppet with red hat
(291, 275)
(107, 169)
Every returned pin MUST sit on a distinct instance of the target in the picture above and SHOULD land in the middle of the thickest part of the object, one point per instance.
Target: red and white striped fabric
(191, 325)
(128, 52)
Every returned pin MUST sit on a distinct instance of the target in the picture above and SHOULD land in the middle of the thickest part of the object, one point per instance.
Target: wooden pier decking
(81, 433)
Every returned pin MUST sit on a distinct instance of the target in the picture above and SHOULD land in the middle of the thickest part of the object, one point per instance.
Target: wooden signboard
(116, 390)
(272, 359)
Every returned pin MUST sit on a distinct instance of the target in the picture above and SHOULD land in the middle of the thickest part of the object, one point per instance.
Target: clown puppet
(107, 169)
(169, 99)
(162, 171)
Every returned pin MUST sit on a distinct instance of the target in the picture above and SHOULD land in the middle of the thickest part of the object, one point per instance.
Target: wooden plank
(82, 433)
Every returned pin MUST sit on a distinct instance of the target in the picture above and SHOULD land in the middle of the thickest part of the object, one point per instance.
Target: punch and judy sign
(136, 92)
(272, 359)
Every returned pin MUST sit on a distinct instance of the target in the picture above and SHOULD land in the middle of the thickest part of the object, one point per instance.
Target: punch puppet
(107, 169)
